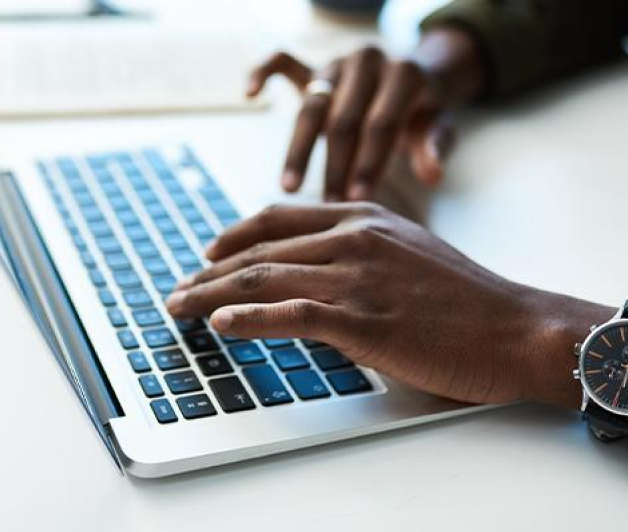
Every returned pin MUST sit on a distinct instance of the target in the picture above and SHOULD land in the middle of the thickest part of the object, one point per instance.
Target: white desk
(536, 191)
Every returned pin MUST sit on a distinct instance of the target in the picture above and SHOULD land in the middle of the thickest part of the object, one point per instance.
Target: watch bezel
(590, 394)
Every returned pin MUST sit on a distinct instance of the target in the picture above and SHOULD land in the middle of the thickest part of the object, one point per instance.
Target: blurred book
(117, 68)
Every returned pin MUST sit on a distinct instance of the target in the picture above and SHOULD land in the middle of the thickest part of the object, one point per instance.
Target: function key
(248, 353)
(307, 384)
(156, 338)
(183, 382)
(216, 364)
(116, 317)
(267, 385)
(196, 406)
(231, 394)
(274, 343)
(201, 342)
(138, 362)
(150, 385)
(163, 411)
(328, 359)
(349, 381)
(289, 359)
(128, 340)
(172, 359)
(148, 317)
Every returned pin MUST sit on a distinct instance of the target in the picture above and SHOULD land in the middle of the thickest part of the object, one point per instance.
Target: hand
(391, 296)
(378, 104)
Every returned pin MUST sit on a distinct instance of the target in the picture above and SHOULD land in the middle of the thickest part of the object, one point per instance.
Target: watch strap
(605, 425)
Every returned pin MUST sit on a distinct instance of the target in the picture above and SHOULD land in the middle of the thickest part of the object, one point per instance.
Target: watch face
(604, 367)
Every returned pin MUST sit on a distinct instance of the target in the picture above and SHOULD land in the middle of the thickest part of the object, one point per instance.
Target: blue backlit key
(106, 297)
(97, 278)
(138, 362)
(148, 317)
(118, 262)
(186, 257)
(128, 218)
(289, 359)
(116, 317)
(248, 353)
(146, 249)
(138, 298)
(156, 266)
(137, 233)
(127, 279)
(157, 338)
(165, 284)
(267, 386)
(192, 214)
(109, 245)
(202, 230)
(156, 211)
(274, 343)
(88, 259)
(166, 226)
(175, 241)
(163, 411)
(307, 384)
(128, 340)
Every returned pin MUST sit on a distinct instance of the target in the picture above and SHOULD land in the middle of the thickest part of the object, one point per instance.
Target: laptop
(95, 242)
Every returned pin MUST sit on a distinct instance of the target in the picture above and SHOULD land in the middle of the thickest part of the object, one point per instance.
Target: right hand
(378, 104)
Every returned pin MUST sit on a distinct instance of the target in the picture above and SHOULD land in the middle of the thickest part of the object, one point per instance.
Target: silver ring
(319, 87)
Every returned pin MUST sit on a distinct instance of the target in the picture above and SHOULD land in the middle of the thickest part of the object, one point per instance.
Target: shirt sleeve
(530, 42)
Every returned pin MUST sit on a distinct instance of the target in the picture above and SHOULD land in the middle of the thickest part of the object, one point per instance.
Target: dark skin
(380, 288)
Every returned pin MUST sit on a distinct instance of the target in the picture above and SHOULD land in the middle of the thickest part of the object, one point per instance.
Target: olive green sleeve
(529, 42)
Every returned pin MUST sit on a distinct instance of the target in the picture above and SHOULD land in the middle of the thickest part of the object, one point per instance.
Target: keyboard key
(138, 298)
(222, 208)
(267, 385)
(313, 344)
(92, 214)
(109, 245)
(183, 382)
(159, 338)
(187, 258)
(349, 381)
(97, 278)
(172, 359)
(128, 218)
(156, 211)
(147, 196)
(116, 317)
(329, 358)
(100, 229)
(156, 266)
(192, 214)
(307, 384)
(128, 340)
(231, 394)
(136, 233)
(163, 411)
(165, 284)
(111, 189)
(231, 339)
(202, 230)
(196, 406)
(289, 359)
(84, 199)
(88, 259)
(166, 226)
(127, 279)
(148, 318)
(138, 362)
(186, 326)
(216, 364)
(189, 270)
(119, 203)
(146, 250)
(274, 343)
(201, 342)
(118, 262)
(248, 353)
(182, 200)
(176, 241)
(106, 297)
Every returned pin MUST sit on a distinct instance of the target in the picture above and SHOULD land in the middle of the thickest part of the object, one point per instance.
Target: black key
(186, 326)
(267, 385)
(330, 358)
(156, 266)
(349, 381)
(216, 364)
(138, 299)
(165, 284)
(157, 338)
(195, 406)
(231, 394)
(127, 279)
(138, 362)
(97, 278)
(289, 359)
(312, 344)
(176, 241)
(148, 317)
(307, 384)
(166, 226)
(137, 233)
(183, 382)
(118, 262)
(201, 342)
(109, 245)
(106, 297)
(146, 250)
(274, 343)
(116, 317)
(88, 259)
(128, 340)
(163, 411)
(172, 359)
(248, 353)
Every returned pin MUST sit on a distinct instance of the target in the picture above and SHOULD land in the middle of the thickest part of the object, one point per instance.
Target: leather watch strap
(605, 425)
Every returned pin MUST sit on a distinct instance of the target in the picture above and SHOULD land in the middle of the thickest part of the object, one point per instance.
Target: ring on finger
(319, 87)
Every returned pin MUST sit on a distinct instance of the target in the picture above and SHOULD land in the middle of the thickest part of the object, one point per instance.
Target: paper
(100, 68)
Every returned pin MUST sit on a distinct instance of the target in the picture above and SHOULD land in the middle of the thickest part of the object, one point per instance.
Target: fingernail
(359, 191)
(175, 301)
(210, 252)
(290, 180)
(222, 319)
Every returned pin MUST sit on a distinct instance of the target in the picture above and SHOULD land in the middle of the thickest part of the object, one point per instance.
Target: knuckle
(382, 126)
(279, 56)
(312, 109)
(267, 215)
(370, 53)
(253, 277)
(408, 69)
(343, 126)
(305, 312)
(368, 209)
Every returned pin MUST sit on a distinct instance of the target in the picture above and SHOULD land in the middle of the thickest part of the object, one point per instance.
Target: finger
(261, 283)
(310, 249)
(300, 318)
(430, 146)
(398, 92)
(275, 223)
(351, 101)
(279, 63)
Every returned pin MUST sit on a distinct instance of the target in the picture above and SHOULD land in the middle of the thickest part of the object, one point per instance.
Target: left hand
(391, 296)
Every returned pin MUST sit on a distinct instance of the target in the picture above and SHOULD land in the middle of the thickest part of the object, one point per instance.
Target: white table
(536, 191)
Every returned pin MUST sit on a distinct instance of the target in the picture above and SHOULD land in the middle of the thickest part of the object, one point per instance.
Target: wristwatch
(603, 372)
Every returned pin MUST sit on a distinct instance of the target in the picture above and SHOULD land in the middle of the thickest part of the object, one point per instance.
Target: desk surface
(535, 191)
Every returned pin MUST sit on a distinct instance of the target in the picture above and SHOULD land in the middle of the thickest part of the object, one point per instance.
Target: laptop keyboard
(138, 229)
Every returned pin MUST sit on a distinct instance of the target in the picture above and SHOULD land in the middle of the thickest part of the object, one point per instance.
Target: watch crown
(576, 374)
(576, 349)
(593, 327)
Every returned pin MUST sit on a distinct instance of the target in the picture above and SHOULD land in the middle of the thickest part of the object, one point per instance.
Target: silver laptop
(95, 242)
